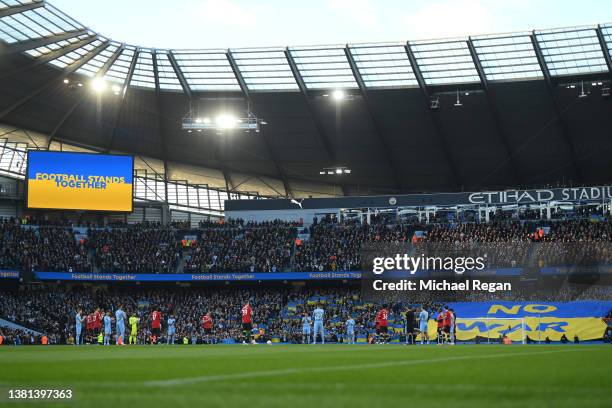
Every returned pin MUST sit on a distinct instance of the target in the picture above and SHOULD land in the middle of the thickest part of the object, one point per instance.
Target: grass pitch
(312, 376)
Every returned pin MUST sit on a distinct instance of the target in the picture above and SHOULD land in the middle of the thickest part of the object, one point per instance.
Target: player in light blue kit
(318, 315)
(171, 330)
(306, 321)
(350, 330)
(107, 328)
(423, 318)
(78, 323)
(120, 318)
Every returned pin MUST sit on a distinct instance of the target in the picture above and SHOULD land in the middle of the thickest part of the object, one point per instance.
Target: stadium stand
(233, 246)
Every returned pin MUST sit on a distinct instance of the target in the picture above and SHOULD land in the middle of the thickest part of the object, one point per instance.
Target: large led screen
(79, 181)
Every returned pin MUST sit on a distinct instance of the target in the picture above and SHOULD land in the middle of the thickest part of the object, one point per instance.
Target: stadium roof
(510, 112)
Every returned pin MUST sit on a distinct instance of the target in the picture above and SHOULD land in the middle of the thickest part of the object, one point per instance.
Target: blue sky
(242, 23)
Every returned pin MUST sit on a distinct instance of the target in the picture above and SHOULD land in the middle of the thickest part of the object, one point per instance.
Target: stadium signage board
(542, 195)
(186, 277)
(503, 197)
(9, 275)
(238, 276)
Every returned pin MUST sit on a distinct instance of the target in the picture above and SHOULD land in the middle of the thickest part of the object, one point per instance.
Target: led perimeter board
(80, 181)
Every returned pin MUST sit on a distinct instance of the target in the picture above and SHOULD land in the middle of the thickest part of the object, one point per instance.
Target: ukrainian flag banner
(492, 320)
(536, 328)
(80, 181)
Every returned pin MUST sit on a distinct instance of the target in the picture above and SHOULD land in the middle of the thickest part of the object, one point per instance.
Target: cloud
(226, 14)
(450, 18)
(362, 13)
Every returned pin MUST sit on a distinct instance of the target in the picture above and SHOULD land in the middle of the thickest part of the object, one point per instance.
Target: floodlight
(225, 121)
(98, 85)
(338, 94)
(582, 93)
(335, 171)
(66, 81)
(458, 102)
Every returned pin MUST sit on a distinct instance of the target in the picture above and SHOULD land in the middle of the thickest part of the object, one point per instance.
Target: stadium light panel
(338, 94)
(226, 121)
(582, 93)
(98, 85)
(333, 171)
(458, 101)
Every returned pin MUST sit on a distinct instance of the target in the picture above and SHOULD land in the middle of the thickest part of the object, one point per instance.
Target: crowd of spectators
(139, 248)
(41, 248)
(328, 244)
(240, 247)
(336, 246)
(18, 337)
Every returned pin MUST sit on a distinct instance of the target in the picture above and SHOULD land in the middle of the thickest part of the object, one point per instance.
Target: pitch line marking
(272, 373)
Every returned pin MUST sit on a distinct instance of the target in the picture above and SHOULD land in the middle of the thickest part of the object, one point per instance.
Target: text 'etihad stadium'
(542, 195)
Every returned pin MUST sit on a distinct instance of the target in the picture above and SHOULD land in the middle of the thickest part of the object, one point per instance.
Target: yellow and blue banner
(542, 319)
(80, 181)
(536, 328)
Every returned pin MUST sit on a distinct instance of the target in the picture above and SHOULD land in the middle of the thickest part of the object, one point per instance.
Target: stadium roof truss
(38, 28)
(38, 34)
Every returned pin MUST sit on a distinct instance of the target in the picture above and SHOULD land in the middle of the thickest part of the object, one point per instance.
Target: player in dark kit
(89, 327)
(440, 320)
(247, 322)
(382, 325)
(156, 317)
(97, 321)
(410, 326)
(207, 324)
(448, 322)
